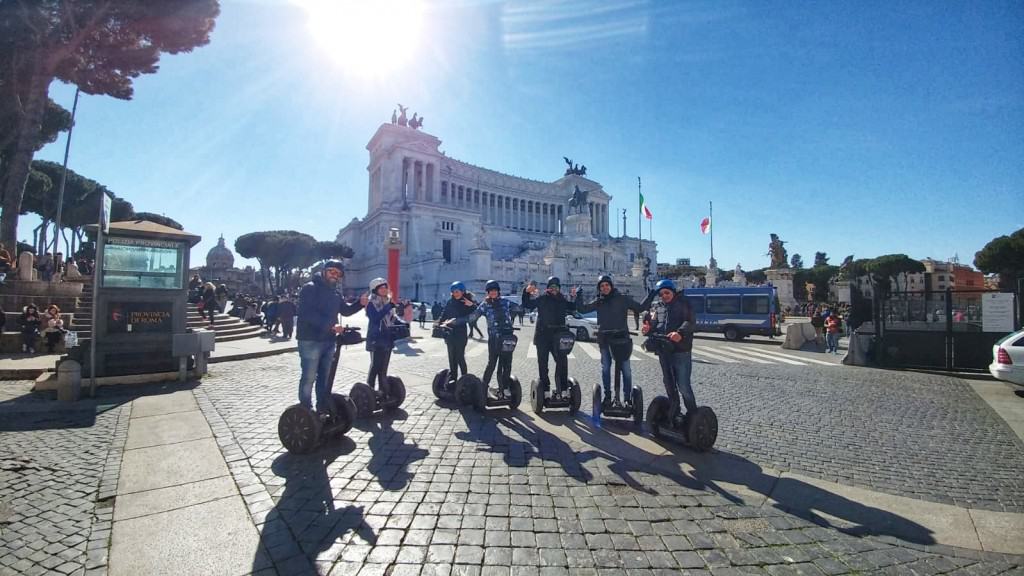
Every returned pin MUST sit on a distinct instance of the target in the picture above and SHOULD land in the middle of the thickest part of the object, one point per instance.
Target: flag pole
(639, 218)
(711, 221)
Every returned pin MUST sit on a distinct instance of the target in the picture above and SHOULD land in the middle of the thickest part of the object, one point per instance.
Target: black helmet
(336, 264)
(603, 279)
(554, 281)
(492, 285)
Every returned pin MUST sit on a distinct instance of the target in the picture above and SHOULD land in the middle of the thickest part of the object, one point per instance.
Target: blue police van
(736, 312)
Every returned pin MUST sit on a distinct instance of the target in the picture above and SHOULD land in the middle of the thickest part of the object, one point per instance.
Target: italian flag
(643, 207)
(705, 225)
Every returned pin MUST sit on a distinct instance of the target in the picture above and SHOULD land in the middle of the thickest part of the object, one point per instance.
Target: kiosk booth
(141, 281)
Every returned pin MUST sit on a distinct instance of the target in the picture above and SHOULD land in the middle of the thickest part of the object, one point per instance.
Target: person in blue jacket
(498, 312)
(320, 302)
(381, 312)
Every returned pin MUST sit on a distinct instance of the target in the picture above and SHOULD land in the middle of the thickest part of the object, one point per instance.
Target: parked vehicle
(584, 326)
(1008, 359)
(736, 312)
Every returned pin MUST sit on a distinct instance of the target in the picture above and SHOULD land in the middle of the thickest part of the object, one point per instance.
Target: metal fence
(943, 330)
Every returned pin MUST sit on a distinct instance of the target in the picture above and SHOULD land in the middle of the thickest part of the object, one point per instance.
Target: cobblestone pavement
(923, 436)
(52, 466)
(438, 491)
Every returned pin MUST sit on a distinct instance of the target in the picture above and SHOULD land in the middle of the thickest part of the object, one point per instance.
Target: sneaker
(24, 348)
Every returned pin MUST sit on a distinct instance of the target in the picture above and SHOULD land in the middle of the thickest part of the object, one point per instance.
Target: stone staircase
(227, 328)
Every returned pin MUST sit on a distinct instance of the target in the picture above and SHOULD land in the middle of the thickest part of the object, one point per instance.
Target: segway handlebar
(614, 332)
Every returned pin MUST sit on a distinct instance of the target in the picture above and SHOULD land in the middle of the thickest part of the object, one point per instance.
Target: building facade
(462, 222)
(220, 269)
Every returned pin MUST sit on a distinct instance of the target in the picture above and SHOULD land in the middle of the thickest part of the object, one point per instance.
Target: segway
(370, 401)
(301, 429)
(509, 392)
(541, 397)
(442, 386)
(633, 409)
(697, 429)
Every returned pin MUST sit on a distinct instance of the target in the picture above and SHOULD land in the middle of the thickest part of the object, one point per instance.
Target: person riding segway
(381, 392)
(501, 343)
(455, 339)
(615, 343)
(552, 337)
(669, 331)
(300, 428)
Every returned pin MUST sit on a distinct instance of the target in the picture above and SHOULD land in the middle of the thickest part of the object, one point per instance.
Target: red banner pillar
(393, 260)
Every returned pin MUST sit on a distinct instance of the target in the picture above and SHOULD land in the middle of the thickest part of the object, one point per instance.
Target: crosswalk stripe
(712, 355)
(801, 358)
(761, 354)
(589, 350)
(532, 353)
(742, 356)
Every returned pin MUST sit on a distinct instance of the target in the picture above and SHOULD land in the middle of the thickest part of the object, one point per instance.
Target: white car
(1008, 359)
(584, 326)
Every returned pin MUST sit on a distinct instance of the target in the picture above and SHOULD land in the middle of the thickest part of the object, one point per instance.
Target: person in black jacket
(552, 307)
(672, 315)
(459, 306)
(612, 307)
(320, 302)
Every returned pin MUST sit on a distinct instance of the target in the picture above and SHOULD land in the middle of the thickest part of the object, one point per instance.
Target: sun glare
(366, 37)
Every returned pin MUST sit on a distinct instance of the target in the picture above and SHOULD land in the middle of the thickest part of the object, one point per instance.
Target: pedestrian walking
(286, 314)
(423, 314)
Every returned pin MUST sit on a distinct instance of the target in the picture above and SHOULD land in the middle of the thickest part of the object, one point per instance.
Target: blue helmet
(457, 286)
(663, 284)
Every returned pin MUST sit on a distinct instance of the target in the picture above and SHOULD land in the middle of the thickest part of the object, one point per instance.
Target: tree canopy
(99, 45)
(159, 219)
(1003, 255)
(797, 261)
(282, 251)
(887, 269)
(820, 259)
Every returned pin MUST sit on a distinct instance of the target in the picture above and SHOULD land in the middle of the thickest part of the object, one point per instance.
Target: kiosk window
(130, 263)
(723, 304)
(755, 304)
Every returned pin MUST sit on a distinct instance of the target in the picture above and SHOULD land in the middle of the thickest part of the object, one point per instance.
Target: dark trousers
(287, 325)
(474, 327)
(548, 344)
(456, 357)
(675, 370)
(379, 360)
(52, 339)
(495, 359)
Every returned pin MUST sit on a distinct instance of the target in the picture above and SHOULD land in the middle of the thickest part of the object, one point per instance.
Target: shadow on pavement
(532, 441)
(390, 454)
(42, 410)
(305, 522)
(791, 495)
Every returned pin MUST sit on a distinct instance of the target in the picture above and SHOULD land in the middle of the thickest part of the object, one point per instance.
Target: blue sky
(858, 127)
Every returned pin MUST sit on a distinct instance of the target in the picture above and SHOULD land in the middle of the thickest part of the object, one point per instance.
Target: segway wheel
(658, 415)
(440, 383)
(396, 392)
(364, 398)
(345, 414)
(576, 396)
(515, 390)
(638, 406)
(465, 389)
(537, 397)
(596, 399)
(299, 429)
(702, 428)
(479, 395)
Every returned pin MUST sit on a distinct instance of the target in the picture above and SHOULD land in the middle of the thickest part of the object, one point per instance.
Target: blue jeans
(675, 370)
(832, 341)
(606, 373)
(315, 358)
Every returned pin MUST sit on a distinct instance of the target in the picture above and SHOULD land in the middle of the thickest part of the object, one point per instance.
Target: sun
(366, 37)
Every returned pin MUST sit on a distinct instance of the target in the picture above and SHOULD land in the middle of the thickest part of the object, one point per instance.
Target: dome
(220, 256)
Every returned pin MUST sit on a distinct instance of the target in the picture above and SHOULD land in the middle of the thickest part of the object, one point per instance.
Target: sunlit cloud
(532, 25)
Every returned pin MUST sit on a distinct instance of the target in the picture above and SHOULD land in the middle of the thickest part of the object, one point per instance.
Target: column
(431, 174)
(560, 213)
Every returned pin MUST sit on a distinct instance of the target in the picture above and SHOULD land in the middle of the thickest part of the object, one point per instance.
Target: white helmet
(377, 283)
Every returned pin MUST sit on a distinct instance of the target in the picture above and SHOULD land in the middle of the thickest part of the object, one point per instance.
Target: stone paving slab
(857, 510)
(165, 499)
(999, 531)
(170, 465)
(215, 537)
(179, 401)
(166, 429)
